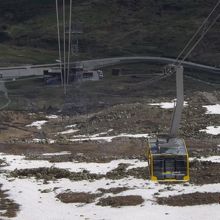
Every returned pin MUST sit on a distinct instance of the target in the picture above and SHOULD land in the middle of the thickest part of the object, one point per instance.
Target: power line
(202, 36)
(70, 34)
(59, 41)
(64, 45)
(65, 70)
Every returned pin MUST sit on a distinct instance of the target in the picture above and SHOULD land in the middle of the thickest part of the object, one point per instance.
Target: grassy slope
(111, 28)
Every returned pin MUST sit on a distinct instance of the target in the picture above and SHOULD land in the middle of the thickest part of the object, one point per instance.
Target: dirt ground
(80, 197)
(115, 190)
(130, 118)
(190, 199)
(118, 201)
(94, 151)
(201, 172)
(204, 172)
(55, 174)
(7, 206)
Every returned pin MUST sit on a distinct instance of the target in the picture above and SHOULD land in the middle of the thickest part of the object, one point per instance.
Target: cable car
(168, 160)
(167, 155)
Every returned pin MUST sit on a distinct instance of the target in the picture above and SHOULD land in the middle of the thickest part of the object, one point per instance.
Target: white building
(23, 71)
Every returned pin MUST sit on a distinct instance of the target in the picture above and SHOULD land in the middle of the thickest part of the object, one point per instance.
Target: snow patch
(166, 105)
(212, 109)
(57, 153)
(214, 159)
(71, 126)
(19, 162)
(70, 131)
(49, 141)
(3, 212)
(98, 137)
(214, 130)
(27, 192)
(37, 124)
(52, 116)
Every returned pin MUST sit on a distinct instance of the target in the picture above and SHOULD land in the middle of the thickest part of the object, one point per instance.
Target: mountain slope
(111, 28)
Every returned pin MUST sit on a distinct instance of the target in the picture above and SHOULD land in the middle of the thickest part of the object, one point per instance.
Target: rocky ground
(98, 160)
(191, 199)
(8, 207)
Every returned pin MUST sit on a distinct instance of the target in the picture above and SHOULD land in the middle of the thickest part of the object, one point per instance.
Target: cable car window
(169, 165)
(158, 169)
(181, 165)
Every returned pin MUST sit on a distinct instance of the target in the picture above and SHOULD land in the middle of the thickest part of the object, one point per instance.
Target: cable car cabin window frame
(162, 172)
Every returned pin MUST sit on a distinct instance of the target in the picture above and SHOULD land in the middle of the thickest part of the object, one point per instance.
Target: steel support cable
(201, 37)
(64, 45)
(154, 80)
(198, 30)
(69, 46)
(202, 81)
(59, 41)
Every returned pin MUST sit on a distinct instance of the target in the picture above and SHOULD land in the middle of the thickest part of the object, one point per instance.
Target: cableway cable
(64, 45)
(198, 30)
(69, 46)
(59, 40)
(201, 37)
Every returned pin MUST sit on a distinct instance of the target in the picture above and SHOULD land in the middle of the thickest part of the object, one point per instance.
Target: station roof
(175, 146)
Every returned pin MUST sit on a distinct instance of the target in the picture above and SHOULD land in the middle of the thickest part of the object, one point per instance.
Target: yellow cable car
(168, 160)
(167, 156)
